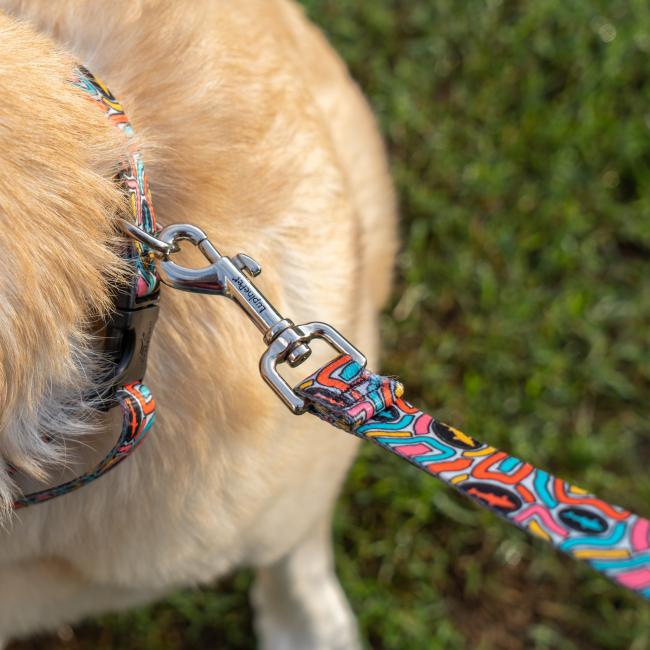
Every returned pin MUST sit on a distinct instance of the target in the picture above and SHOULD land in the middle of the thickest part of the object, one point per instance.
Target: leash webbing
(612, 540)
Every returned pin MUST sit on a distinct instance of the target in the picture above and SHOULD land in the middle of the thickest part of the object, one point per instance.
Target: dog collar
(129, 328)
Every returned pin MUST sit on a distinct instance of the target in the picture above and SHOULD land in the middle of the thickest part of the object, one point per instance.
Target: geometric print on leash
(612, 540)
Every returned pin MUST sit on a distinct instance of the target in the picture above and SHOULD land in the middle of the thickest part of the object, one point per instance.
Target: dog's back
(252, 130)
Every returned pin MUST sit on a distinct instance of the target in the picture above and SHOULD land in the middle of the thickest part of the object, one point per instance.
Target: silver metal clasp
(225, 276)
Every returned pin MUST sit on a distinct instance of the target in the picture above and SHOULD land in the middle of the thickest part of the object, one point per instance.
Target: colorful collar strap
(131, 324)
(611, 539)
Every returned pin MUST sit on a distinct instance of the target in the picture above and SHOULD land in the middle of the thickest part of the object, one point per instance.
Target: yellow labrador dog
(252, 129)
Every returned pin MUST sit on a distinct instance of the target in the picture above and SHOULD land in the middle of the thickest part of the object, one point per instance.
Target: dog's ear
(58, 159)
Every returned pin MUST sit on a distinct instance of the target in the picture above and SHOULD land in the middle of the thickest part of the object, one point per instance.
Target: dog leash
(612, 540)
(343, 393)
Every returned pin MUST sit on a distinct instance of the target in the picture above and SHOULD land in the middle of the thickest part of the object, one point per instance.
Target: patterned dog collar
(131, 324)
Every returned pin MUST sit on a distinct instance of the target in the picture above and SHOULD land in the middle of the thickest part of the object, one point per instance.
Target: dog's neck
(58, 158)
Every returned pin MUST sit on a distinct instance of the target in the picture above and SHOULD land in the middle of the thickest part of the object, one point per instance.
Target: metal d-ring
(280, 351)
(159, 247)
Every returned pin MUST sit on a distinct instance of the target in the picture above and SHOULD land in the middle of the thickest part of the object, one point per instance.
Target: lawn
(519, 137)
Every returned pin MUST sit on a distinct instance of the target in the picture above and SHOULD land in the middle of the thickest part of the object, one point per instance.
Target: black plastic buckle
(127, 340)
(127, 337)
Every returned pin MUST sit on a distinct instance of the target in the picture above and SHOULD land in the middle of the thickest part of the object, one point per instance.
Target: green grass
(519, 135)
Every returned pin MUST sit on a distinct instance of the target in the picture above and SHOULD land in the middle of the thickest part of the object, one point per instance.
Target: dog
(252, 129)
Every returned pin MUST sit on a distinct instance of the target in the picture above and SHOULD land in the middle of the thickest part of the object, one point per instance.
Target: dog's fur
(251, 129)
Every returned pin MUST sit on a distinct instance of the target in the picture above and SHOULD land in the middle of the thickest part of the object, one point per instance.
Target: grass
(519, 134)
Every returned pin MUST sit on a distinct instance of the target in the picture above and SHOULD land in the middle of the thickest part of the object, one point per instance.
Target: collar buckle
(127, 339)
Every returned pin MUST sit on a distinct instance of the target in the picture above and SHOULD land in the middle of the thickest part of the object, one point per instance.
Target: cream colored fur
(251, 129)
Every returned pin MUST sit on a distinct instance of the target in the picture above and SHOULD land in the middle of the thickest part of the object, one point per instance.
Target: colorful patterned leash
(135, 313)
(611, 539)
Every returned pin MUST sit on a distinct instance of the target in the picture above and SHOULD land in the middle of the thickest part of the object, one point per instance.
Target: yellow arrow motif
(463, 437)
